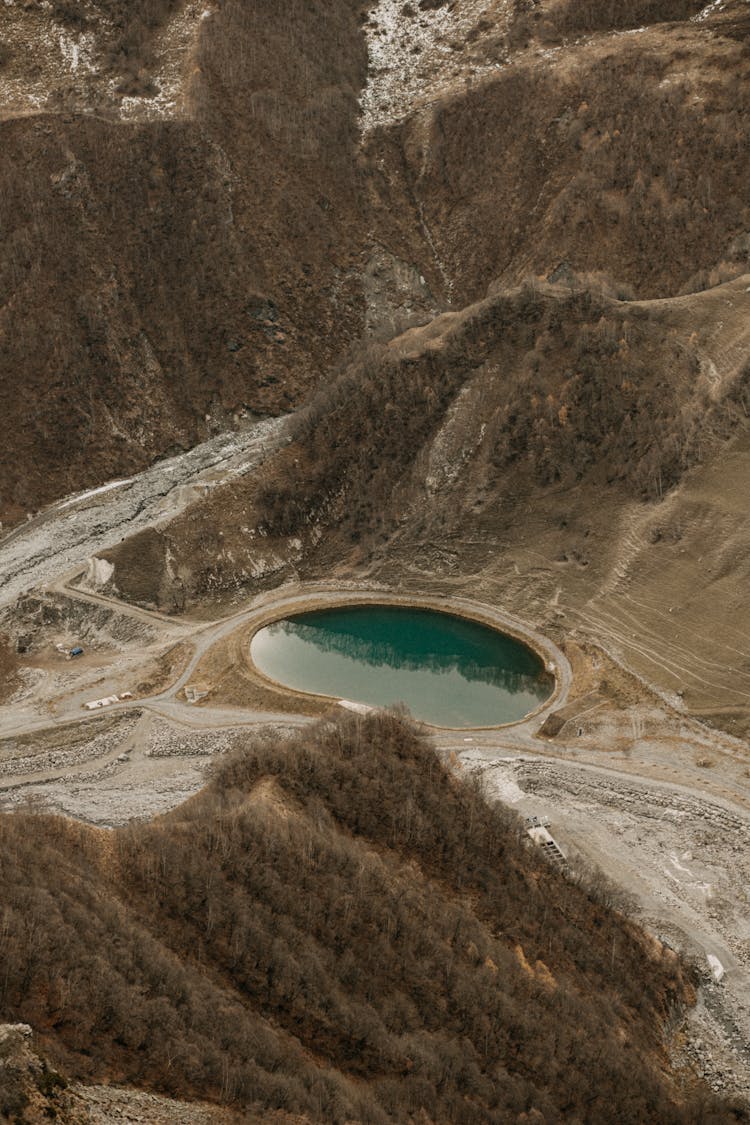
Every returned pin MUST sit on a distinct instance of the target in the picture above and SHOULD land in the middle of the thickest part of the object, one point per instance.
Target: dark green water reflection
(447, 670)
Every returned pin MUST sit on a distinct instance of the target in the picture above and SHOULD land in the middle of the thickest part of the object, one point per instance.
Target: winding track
(282, 602)
(52, 548)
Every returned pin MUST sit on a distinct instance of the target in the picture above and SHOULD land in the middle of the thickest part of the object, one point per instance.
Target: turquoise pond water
(448, 670)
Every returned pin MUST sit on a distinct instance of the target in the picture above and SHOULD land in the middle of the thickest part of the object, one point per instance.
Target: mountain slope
(562, 452)
(338, 928)
(609, 152)
(200, 224)
(167, 269)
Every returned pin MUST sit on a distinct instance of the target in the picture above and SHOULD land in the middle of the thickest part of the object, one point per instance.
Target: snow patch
(680, 866)
(415, 56)
(716, 967)
(507, 790)
(99, 572)
(79, 496)
(709, 10)
(56, 67)
(359, 708)
(499, 777)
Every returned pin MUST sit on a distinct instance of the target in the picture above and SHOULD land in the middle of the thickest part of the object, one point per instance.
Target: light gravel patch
(29, 681)
(165, 741)
(416, 56)
(115, 793)
(137, 767)
(682, 858)
(58, 751)
(112, 798)
(104, 1105)
(67, 534)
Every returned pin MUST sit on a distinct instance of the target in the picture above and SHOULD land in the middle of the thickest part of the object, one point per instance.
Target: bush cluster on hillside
(583, 390)
(127, 29)
(570, 17)
(339, 928)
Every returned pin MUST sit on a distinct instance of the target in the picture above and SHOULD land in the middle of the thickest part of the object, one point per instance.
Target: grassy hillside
(338, 928)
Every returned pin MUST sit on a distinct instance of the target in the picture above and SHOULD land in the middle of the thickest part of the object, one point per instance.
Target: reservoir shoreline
(552, 659)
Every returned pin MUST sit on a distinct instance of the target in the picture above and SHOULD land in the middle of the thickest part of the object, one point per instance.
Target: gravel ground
(65, 535)
(107, 1105)
(682, 859)
(61, 758)
(139, 767)
(165, 741)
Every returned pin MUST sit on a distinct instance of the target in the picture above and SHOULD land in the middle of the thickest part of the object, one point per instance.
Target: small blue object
(77, 651)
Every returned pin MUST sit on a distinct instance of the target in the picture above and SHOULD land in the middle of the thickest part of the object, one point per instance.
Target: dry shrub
(570, 17)
(337, 928)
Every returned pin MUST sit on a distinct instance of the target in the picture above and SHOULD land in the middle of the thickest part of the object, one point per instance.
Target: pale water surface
(448, 670)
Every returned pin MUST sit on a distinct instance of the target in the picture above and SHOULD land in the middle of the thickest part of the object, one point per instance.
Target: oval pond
(449, 671)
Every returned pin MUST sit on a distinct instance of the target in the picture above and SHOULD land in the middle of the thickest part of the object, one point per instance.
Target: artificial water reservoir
(449, 671)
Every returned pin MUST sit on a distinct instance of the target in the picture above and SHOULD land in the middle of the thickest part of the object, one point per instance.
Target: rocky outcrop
(30, 1091)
